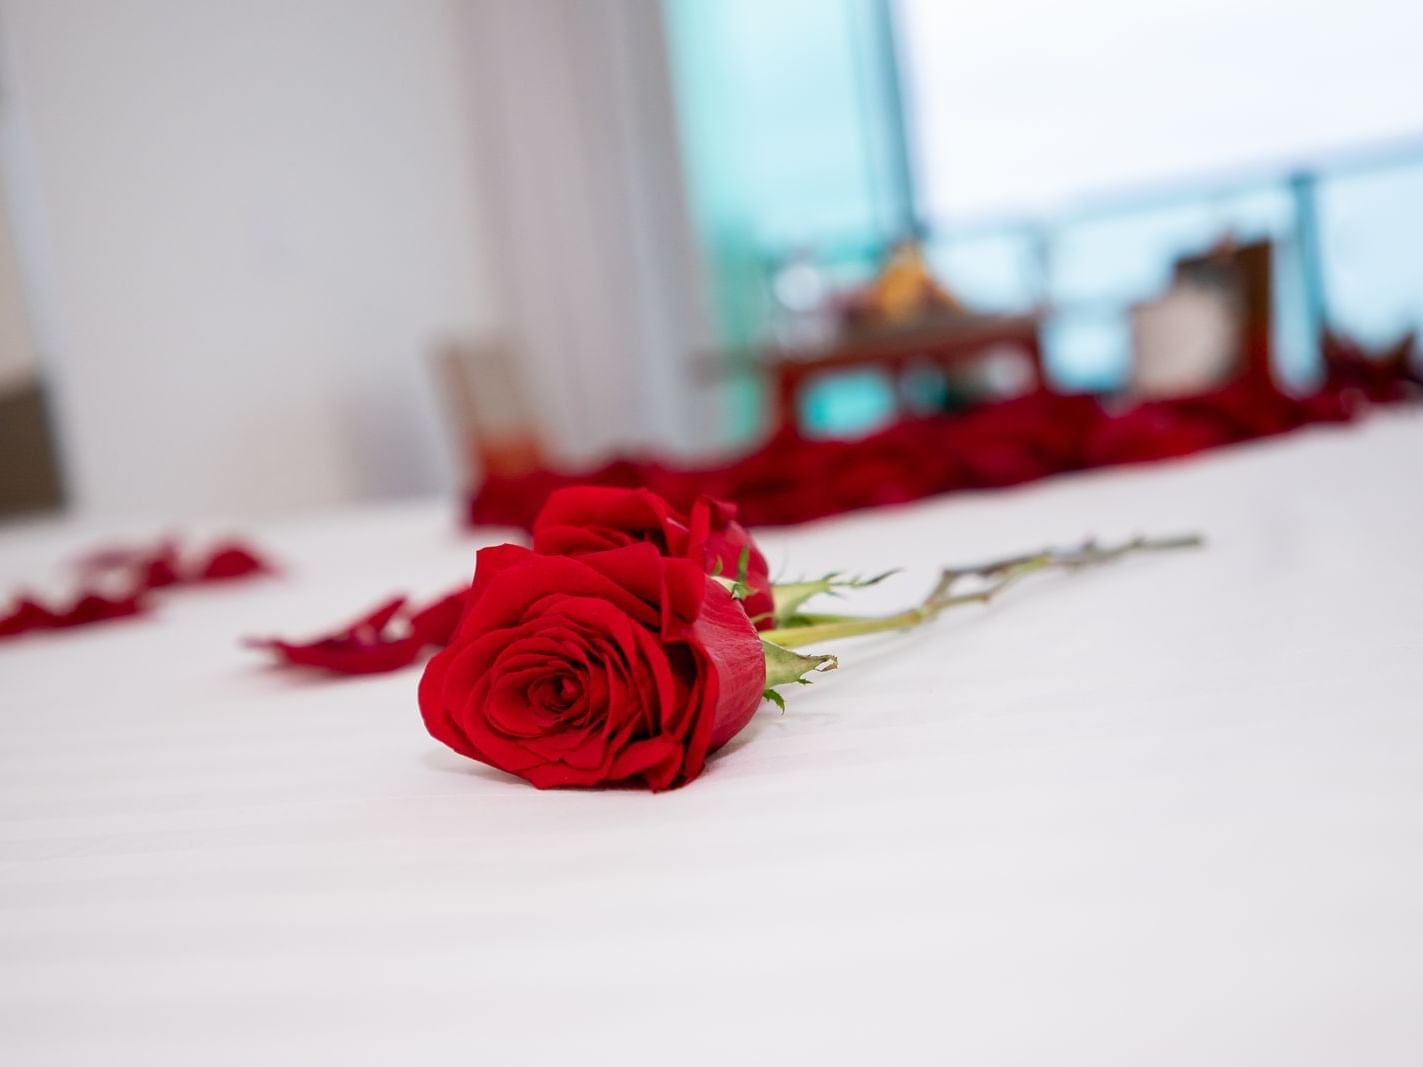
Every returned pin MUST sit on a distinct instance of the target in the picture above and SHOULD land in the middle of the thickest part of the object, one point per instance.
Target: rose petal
(230, 560)
(368, 645)
(790, 479)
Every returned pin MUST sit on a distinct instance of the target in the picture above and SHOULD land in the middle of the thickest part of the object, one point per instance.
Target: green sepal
(790, 596)
(784, 666)
(739, 590)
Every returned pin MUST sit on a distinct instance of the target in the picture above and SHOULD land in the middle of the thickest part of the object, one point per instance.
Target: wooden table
(947, 343)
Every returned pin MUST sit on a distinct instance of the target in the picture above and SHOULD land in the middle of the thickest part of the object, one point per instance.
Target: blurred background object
(491, 420)
(1057, 160)
(243, 230)
(1212, 325)
(29, 473)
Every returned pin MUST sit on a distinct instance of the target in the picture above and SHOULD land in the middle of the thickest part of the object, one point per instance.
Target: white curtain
(592, 250)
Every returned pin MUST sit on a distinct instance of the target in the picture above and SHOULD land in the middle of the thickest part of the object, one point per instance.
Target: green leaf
(775, 698)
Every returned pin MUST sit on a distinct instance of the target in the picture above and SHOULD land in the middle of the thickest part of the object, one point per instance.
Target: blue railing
(1347, 233)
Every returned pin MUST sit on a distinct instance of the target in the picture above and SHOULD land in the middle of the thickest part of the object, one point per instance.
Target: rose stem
(1004, 573)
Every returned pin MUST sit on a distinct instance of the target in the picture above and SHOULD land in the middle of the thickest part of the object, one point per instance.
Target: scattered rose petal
(24, 615)
(138, 568)
(792, 479)
(233, 560)
(27, 614)
(90, 608)
(436, 624)
(114, 582)
(387, 638)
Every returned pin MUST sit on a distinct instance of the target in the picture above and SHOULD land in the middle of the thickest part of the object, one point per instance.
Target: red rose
(616, 666)
(592, 519)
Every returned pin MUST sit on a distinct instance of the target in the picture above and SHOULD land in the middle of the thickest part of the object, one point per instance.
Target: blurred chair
(29, 468)
(490, 416)
(29, 472)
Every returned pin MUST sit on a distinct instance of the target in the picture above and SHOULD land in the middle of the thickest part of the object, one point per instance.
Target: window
(1036, 105)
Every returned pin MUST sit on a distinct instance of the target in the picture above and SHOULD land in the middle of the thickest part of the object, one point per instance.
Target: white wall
(244, 224)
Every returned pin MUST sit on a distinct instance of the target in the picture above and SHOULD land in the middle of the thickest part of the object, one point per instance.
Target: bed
(1164, 812)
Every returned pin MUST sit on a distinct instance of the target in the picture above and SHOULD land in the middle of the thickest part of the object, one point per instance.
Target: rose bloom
(592, 518)
(620, 666)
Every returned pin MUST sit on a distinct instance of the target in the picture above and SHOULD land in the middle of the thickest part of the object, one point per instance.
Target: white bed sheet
(1167, 812)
